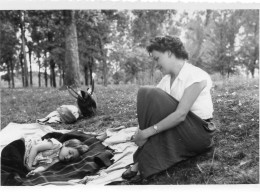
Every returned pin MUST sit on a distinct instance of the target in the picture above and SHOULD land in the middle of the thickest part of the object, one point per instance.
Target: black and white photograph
(122, 93)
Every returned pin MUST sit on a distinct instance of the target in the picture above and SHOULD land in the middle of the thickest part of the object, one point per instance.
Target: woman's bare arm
(190, 95)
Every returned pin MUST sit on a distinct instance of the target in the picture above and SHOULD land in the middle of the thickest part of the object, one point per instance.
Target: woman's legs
(169, 147)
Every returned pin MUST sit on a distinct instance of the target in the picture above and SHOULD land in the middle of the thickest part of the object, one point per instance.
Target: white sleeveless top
(189, 74)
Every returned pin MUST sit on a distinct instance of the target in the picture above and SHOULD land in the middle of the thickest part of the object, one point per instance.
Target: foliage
(118, 77)
(249, 53)
(148, 24)
(219, 41)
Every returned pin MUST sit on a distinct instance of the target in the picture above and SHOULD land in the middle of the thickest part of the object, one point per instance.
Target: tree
(30, 50)
(47, 33)
(89, 49)
(118, 77)
(212, 40)
(148, 24)
(71, 76)
(249, 37)
(195, 35)
(37, 28)
(23, 55)
(9, 45)
(58, 55)
(137, 61)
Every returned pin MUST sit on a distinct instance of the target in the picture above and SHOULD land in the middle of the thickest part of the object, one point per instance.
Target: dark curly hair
(168, 43)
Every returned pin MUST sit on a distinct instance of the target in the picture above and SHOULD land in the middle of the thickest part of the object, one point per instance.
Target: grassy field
(233, 160)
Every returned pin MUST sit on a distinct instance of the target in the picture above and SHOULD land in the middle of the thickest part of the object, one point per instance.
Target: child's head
(72, 149)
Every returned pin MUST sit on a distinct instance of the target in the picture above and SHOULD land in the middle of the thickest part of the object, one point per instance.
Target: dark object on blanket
(12, 166)
(104, 159)
(86, 100)
(60, 171)
(87, 139)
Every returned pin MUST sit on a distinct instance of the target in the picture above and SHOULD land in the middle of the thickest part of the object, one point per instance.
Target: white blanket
(118, 140)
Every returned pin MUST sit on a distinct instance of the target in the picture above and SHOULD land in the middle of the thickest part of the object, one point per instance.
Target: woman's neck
(177, 66)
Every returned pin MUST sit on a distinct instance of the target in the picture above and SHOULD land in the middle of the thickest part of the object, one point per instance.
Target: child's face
(68, 154)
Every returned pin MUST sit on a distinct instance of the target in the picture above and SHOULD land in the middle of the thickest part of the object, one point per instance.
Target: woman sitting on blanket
(175, 119)
(41, 154)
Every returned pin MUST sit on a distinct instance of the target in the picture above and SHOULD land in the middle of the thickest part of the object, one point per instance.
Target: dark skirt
(167, 148)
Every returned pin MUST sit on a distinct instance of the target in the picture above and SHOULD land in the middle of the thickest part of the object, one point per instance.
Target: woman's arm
(42, 146)
(190, 95)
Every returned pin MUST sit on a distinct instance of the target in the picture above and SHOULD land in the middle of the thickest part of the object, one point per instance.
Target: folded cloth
(119, 135)
(123, 149)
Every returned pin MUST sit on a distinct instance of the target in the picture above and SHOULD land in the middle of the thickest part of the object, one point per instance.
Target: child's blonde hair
(76, 144)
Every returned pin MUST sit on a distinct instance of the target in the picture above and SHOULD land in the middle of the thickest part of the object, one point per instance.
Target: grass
(233, 160)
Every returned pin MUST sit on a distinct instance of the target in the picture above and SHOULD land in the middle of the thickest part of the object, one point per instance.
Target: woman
(174, 118)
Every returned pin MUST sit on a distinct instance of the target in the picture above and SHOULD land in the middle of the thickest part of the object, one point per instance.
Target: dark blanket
(13, 171)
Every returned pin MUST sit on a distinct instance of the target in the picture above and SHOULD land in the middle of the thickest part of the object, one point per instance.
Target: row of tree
(71, 45)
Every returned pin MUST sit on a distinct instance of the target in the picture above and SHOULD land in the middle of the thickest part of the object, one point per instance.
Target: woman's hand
(139, 138)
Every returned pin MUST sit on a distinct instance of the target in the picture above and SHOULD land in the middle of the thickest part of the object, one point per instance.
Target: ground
(233, 159)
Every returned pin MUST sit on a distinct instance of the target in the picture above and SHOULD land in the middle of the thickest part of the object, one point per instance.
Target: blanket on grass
(118, 139)
(13, 172)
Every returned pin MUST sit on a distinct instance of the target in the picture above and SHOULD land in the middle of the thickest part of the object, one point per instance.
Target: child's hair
(76, 144)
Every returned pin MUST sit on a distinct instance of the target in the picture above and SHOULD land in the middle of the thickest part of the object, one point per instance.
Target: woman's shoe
(128, 174)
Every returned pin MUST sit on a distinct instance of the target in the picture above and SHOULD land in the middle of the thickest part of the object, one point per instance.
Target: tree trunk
(71, 76)
(252, 71)
(45, 70)
(91, 70)
(23, 50)
(0, 38)
(62, 74)
(22, 68)
(60, 78)
(86, 73)
(8, 73)
(104, 69)
(30, 60)
(256, 53)
(45, 76)
(54, 75)
(12, 74)
(52, 72)
(39, 74)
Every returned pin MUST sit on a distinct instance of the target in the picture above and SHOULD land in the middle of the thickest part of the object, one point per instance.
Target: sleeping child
(41, 154)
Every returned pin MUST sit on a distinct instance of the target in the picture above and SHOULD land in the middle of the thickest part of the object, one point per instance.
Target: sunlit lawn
(234, 159)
